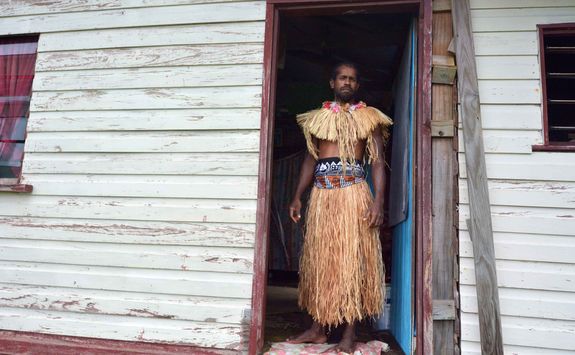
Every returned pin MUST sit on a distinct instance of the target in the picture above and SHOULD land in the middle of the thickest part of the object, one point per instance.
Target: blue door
(401, 199)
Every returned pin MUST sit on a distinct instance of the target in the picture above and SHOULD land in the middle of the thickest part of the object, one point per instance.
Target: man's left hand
(374, 215)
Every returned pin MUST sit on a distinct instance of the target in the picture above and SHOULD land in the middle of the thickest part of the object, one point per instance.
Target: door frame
(422, 176)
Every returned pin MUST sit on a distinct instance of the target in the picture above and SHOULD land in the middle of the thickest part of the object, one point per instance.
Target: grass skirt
(341, 268)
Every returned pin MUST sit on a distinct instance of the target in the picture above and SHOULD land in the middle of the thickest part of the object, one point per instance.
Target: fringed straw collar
(346, 125)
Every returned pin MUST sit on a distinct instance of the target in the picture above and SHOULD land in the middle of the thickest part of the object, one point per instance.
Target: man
(341, 270)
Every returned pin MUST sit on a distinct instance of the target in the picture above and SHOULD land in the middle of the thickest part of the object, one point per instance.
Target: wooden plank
(142, 163)
(164, 306)
(144, 142)
(123, 328)
(444, 243)
(506, 43)
(188, 283)
(145, 120)
(443, 74)
(442, 28)
(122, 208)
(447, 60)
(510, 117)
(508, 67)
(442, 128)
(535, 220)
(543, 166)
(443, 103)
(528, 332)
(134, 17)
(526, 247)
(473, 348)
(18, 188)
(526, 303)
(265, 179)
(152, 98)
(443, 310)
(441, 5)
(510, 91)
(480, 221)
(139, 78)
(494, 4)
(146, 57)
(444, 186)
(506, 141)
(527, 193)
(152, 186)
(519, 19)
(33, 342)
(525, 275)
(233, 33)
(444, 239)
(423, 188)
(36, 7)
(129, 232)
(215, 259)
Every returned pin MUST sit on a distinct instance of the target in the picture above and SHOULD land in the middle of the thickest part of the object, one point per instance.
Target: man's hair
(349, 64)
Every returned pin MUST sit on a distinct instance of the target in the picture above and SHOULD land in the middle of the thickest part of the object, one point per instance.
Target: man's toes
(345, 348)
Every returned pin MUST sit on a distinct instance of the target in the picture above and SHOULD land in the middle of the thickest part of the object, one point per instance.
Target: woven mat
(373, 347)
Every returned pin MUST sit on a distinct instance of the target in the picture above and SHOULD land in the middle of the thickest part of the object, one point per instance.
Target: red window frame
(543, 31)
(17, 64)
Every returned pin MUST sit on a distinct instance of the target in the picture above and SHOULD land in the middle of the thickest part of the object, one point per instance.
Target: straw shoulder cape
(345, 125)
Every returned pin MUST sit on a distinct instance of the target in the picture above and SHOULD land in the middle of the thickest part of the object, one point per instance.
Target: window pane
(15, 87)
(559, 62)
(561, 124)
(11, 159)
(18, 46)
(14, 106)
(13, 129)
(560, 89)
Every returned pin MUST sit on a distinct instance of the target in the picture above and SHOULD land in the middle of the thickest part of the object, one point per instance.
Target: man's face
(345, 84)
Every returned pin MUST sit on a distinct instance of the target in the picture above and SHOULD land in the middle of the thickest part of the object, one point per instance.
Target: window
(17, 61)
(557, 58)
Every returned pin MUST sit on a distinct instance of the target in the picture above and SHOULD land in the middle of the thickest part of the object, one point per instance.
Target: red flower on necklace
(335, 107)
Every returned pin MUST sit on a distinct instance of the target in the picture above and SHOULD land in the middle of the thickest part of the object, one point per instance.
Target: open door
(401, 217)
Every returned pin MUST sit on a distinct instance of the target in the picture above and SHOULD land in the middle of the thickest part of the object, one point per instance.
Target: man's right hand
(294, 210)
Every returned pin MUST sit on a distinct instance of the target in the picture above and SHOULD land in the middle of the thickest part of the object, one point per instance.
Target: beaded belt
(329, 173)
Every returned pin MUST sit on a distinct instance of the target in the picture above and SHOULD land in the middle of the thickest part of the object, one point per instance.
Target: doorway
(308, 48)
(306, 43)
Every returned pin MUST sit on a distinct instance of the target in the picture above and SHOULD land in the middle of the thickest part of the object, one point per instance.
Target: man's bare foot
(315, 335)
(347, 342)
(346, 345)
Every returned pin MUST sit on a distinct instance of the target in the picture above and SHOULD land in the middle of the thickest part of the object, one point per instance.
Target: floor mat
(373, 347)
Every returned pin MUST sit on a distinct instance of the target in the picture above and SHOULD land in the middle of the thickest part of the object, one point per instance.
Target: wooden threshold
(12, 342)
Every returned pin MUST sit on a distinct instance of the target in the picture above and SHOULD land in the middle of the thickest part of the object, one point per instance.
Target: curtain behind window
(17, 61)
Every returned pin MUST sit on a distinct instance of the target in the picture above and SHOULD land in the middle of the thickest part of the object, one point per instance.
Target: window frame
(542, 31)
(14, 184)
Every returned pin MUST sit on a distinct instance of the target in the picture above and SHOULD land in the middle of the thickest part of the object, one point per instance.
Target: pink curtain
(17, 61)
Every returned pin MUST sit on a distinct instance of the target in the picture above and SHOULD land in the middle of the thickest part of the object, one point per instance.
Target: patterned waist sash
(329, 173)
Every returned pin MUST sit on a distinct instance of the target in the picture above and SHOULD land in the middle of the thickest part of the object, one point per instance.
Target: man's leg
(315, 334)
(347, 343)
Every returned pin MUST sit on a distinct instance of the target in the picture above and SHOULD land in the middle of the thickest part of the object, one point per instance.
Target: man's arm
(375, 213)
(305, 178)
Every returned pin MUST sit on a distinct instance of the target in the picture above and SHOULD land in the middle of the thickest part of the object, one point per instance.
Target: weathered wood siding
(532, 193)
(143, 153)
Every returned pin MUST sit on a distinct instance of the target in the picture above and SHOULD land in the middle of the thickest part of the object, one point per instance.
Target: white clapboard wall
(532, 193)
(142, 149)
